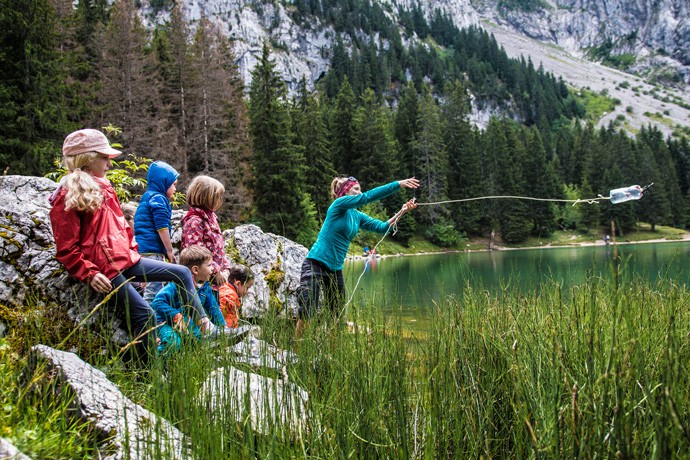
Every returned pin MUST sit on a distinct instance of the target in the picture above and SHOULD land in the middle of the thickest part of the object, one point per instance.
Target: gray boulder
(276, 262)
(28, 268)
(267, 403)
(129, 431)
(9, 452)
(259, 354)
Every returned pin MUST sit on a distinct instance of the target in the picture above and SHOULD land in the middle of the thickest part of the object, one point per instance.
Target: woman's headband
(346, 186)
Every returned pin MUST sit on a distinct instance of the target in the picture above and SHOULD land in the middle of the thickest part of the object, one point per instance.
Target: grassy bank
(642, 232)
(592, 372)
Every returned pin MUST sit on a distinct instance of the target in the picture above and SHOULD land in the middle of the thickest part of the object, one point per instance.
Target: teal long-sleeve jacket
(343, 222)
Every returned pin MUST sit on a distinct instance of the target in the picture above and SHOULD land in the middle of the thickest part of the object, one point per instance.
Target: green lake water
(408, 287)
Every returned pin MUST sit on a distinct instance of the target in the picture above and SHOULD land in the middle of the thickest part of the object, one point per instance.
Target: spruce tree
(130, 97)
(171, 46)
(541, 183)
(512, 215)
(282, 205)
(405, 126)
(342, 130)
(374, 160)
(218, 122)
(466, 178)
(431, 158)
(590, 213)
(33, 121)
(311, 134)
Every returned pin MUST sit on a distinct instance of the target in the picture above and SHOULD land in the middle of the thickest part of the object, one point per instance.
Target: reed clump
(588, 372)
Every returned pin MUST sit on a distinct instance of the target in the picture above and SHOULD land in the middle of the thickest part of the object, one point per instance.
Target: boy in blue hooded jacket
(152, 219)
(170, 308)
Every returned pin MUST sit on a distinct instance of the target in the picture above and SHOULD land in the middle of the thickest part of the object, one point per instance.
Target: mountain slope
(304, 47)
(582, 73)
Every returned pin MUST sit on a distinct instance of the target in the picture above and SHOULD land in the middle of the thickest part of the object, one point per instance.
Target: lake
(409, 286)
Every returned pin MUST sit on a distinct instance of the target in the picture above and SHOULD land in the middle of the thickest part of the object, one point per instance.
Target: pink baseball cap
(88, 140)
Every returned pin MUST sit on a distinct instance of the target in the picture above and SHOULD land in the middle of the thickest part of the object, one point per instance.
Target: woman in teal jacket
(323, 267)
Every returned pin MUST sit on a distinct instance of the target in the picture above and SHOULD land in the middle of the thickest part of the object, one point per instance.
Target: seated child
(152, 218)
(171, 310)
(240, 279)
(129, 209)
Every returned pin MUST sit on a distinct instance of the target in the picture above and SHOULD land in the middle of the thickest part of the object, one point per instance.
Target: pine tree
(431, 158)
(33, 120)
(311, 134)
(282, 205)
(342, 129)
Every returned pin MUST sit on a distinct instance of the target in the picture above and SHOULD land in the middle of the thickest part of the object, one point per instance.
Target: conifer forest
(388, 108)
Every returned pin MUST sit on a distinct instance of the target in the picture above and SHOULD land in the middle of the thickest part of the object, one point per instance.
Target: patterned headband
(347, 185)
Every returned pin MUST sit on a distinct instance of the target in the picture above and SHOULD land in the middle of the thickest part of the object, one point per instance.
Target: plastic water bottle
(619, 195)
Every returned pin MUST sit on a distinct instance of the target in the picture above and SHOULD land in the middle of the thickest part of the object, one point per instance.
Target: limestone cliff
(652, 35)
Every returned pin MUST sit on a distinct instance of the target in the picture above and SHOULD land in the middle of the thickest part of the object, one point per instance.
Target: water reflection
(418, 281)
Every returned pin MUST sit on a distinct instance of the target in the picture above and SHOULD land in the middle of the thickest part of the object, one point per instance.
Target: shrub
(444, 234)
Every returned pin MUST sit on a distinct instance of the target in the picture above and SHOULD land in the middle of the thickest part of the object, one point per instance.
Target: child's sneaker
(236, 334)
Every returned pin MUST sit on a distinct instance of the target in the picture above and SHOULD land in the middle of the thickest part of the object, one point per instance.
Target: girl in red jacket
(94, 242)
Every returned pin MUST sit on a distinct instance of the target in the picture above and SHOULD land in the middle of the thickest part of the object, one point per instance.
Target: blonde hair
(195, 255)
(336, 184)
(129, 209)
(83, 191)
(205, 192)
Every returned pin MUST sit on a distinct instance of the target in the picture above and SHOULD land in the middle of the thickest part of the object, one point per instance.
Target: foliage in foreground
(590, 372)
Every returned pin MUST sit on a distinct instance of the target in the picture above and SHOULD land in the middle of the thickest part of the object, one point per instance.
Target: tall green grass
(589, 372)
(592, 372)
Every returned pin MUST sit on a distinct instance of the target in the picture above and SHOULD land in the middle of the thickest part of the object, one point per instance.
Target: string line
(492, 197)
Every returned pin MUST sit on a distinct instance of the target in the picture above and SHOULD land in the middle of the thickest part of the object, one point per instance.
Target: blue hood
(161, 176)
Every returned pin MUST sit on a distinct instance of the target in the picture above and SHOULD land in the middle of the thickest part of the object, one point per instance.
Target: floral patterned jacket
(200, 226)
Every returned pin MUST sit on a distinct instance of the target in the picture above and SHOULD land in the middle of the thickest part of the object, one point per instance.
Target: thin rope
(395, 226)
(494, 197)
(491, 197)
(372, 253)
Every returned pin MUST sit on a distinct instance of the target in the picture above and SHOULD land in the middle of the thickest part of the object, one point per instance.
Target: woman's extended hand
(409, 206)
(100, 283)
(409, 183)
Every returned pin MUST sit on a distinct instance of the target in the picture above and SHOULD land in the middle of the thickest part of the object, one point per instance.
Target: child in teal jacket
(175, 315)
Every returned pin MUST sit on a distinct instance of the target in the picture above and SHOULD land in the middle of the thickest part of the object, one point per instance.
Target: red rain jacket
(88, 243)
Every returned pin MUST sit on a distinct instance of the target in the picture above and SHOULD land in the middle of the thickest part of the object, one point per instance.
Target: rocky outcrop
(234, 394)
(298, 50)
(128, 430)
(9, 452)
(28, 268)
(656, 32)
(276, 262)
